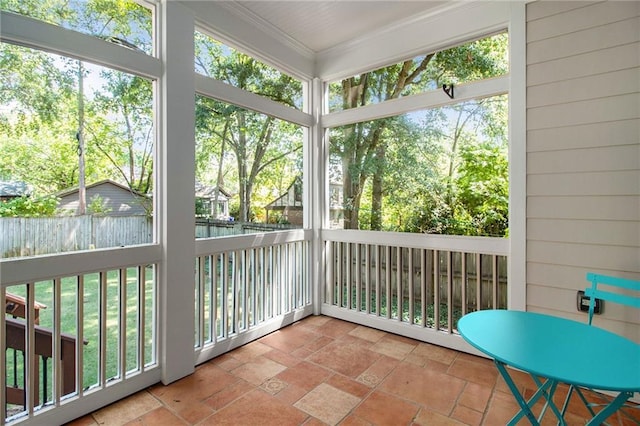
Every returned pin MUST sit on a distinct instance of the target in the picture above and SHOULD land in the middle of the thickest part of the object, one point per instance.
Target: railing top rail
(205, 246)
(484, 245)
(21, 270)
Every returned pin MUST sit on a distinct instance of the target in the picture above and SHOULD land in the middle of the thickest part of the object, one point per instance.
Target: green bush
(29, 207)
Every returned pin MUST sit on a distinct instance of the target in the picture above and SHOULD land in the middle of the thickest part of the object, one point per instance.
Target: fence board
(33, 236)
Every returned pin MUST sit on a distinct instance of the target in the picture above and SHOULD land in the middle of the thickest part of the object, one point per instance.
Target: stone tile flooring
(323, 371)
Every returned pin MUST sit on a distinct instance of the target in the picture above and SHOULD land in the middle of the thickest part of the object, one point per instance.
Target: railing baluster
(367, 278)
(358, 272)
(387, 255)
(280, 280)
(399, 284)
(478, 281)
(410, 287)
(436, 290)
(244, 267)
(234, 287)
(339, 283)
(254, 287)
(463, 284)
(122, 318)
(224, 295)
(378, 279)
(79, 336)
(273, 278)
(216, 297)
(31, 375)
(450, 267)
(348, 269)
(297, 277)
(263, 284)
(288, 271)
(102, 363)
(307, 271)
(141, 306)
(424, 273)
(494, 263)
(298, 268)
(3, 362)
(200, 301)
(56, 363)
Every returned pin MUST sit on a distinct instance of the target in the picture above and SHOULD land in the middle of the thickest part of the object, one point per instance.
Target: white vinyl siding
(583, 153)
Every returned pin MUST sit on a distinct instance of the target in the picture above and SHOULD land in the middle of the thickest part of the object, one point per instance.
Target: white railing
(101, 324)
(248, 286)
(65, 339)
(406, 282)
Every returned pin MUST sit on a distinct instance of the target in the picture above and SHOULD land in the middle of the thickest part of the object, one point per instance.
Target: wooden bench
(16, 306)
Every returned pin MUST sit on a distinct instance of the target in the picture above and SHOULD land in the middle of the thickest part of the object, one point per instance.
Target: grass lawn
(91, 324)
(403, 312)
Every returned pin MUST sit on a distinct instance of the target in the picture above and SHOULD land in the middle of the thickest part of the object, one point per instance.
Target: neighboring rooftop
(13, 189)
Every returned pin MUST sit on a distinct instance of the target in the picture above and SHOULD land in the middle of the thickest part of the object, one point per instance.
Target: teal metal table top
(556, 348)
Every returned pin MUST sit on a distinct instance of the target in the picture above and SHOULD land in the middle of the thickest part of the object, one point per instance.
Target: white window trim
(36, 34)
(225, 92)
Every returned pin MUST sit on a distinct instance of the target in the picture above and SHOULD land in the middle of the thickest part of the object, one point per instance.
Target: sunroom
(451, 157)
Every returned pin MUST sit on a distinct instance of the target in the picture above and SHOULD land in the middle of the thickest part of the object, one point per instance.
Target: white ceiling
(321, 25)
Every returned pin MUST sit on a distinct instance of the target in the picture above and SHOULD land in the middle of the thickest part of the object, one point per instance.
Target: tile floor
(326, 371)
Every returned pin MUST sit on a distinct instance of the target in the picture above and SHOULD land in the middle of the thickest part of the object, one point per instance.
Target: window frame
(31, 33)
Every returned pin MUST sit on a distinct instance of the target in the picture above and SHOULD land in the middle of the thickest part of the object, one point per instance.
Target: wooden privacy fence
(34, 236)
(207, 228)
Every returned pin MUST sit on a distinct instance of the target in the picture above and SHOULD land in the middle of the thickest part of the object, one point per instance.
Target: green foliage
(255, 155)
(110, 19)
(39, 128)
(374, 155)
(29, 207)
(484, 189)
(97, 206)
(438, 171)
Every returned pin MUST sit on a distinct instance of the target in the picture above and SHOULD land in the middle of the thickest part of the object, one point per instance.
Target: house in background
(212, 201)
(119, 200)
(12, 189)
(290, 207)
(116, 199)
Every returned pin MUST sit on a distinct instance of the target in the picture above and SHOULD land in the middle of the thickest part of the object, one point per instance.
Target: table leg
(611, 408)
(525, 410)
(549, 399)
(526, 405)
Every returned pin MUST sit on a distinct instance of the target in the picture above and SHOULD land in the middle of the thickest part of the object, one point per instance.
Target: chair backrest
(605, 280)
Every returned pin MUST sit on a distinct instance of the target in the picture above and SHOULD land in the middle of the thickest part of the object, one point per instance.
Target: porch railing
(98, 329)
(412, 280)
(247, 286)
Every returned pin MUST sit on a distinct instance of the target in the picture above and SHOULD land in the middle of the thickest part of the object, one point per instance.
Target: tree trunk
(82, 190)
(354, 94)
(377, 189)
(219, 177)
(241, 153)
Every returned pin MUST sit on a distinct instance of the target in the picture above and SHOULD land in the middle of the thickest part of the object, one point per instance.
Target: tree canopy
(383, 161)
(442, 170)
(62, 120)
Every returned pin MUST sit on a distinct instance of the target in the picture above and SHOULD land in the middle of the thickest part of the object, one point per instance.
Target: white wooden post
(318, 210)
(176, 204)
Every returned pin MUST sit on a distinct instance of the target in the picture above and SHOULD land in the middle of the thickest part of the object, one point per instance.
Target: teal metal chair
(611, 289)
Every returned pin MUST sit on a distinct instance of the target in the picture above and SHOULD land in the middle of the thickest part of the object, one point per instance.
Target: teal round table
(559, 350)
